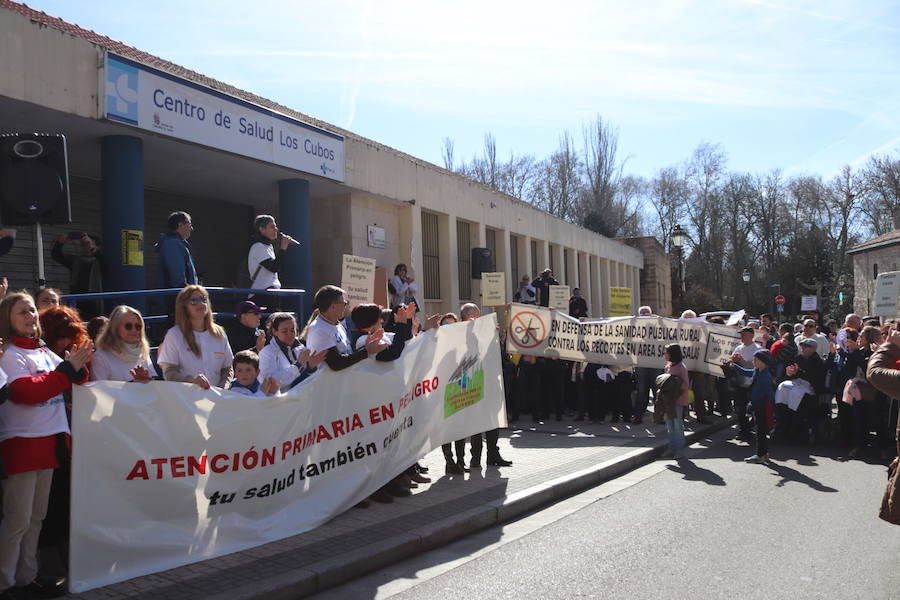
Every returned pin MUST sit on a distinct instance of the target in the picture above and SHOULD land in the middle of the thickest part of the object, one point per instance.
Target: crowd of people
(785, 378)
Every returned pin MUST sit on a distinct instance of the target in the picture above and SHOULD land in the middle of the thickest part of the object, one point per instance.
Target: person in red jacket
(34, 433)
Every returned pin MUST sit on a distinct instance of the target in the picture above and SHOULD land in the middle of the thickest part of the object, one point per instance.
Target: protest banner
(358, 279)
(165, 474)
(620, 302)
(493, 289)
(559, 297)
(632, 341)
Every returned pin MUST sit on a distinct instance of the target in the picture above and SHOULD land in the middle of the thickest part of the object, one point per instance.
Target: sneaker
(756, 458)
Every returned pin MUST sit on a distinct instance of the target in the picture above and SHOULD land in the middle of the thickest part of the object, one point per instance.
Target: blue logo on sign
(121, 91)
(326, 169)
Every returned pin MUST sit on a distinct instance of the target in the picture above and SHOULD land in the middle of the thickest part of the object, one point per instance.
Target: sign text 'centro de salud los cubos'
(156, 101)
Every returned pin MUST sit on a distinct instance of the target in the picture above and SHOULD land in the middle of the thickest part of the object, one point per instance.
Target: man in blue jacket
(176, 263)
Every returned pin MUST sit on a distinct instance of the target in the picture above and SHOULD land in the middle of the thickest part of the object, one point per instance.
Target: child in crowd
(246, 376)
(762, 399)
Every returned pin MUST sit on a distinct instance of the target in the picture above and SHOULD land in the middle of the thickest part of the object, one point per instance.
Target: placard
(358, 279)
(493, 289)
(887, 291)
(809, 303)
(559, 297)
(620, 302)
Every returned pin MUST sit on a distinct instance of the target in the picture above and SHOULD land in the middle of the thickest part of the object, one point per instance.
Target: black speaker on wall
(34, 179)
(482, 262)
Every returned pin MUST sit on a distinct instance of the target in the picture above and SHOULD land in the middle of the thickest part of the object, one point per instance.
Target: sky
(802, 86)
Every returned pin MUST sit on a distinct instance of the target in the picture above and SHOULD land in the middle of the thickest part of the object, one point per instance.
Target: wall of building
(885, 259)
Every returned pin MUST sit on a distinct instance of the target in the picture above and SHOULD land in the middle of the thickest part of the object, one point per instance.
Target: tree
(603, 173)
(559, 185)
(704, 171)
(447, 153)
(668, 193)
(882, 202)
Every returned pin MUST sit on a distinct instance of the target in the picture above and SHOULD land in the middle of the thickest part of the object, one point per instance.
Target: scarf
(129, 353)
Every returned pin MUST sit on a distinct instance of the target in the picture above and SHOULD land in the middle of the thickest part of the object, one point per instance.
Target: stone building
(870, 258)
(656, 276)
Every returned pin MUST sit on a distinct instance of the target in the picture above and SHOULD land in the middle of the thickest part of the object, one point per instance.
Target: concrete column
(605, 284)
(596, 296)
(122, 163)
(636, 294)
(294, 216)
(525, 266)
(449, 264)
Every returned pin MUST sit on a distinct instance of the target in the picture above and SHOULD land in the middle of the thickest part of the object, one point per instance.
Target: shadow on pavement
(692, 472)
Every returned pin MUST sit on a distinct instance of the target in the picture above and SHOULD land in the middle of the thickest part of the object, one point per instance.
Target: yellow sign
(620, 302)
(133, 247)
(559, 297)
(493, 289)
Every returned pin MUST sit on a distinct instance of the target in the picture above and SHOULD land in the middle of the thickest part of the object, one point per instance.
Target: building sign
(132, 248)
(809, 303)
(375, 236)
(620, 302)
(162, 103)
(493, 289)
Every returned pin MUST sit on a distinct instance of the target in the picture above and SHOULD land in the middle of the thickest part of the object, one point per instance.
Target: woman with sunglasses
(123, 353)
(195, 350)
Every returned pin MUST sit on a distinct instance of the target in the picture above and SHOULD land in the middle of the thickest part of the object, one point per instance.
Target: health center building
(146, 137)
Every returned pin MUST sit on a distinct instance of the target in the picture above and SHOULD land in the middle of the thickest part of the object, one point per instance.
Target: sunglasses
(198, 300)
(133, 326)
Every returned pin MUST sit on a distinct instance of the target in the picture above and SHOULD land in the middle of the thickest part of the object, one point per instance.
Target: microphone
(289, 238)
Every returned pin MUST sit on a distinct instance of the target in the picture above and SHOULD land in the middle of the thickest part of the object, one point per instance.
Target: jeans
(741, 397)
(646, 379)
(675, 427)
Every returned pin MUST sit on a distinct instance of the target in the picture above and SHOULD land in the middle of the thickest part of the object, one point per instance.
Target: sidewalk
(551, 460)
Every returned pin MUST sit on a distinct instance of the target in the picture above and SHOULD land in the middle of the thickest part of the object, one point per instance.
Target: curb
(317, 577)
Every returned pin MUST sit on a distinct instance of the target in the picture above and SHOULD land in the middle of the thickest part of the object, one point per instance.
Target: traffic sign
(779, 300)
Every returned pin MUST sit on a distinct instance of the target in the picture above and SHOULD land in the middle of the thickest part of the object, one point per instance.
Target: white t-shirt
(215, 355)
(265, 279)
(106, 366)
(322, 335)
(746, 351)
(30, 420)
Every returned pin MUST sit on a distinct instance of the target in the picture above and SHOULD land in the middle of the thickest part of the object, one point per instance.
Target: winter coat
(883, 374)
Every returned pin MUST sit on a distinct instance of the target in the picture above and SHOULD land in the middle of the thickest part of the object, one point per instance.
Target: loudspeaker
(482, 261)
(34, 179)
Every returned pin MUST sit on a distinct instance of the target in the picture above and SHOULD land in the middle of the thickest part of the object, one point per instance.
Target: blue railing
(293, 299)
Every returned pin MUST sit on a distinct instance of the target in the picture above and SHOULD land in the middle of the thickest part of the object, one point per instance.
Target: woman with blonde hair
(196, 349)
(123, 353)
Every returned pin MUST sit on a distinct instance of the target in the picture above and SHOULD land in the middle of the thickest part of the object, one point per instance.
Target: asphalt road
(707, 527)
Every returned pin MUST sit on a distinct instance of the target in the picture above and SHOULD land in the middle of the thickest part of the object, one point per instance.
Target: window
(464, 259)
(536, 267)
(570, 281)
(514, 259)
(431, 258)
(874, 270)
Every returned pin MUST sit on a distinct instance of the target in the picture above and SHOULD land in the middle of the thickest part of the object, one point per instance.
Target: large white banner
(633, 341)
(162, 103)
(166, 474)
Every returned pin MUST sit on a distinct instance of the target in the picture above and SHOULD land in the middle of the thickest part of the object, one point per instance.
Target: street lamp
(746, 277)
(679, 236)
